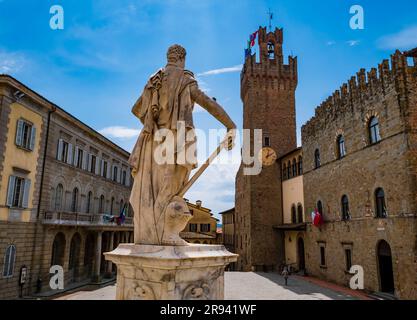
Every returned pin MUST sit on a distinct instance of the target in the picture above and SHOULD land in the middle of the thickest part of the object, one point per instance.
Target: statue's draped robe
(156, 184)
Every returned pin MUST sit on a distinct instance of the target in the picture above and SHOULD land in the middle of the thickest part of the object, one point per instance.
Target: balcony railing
(83, 219)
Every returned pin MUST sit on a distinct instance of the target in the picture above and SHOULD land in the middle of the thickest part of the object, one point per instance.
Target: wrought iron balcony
(83, 219)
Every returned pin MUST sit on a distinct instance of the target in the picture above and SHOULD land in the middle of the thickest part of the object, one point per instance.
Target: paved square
(242, 286)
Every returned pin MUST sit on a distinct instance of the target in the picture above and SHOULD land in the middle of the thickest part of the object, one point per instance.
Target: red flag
(252, 38)
(318, 219)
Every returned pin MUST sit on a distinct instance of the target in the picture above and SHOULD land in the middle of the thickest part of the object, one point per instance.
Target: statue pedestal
(150, 272)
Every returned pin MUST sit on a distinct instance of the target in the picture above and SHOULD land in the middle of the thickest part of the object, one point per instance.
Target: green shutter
(32, 138)
(26, 192)
(10, 192)
(19, 133)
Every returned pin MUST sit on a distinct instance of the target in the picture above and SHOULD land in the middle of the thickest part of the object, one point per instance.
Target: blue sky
(97, 66)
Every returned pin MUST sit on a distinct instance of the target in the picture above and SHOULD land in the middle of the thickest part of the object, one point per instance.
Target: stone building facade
(268, 95)
(360, 168)
(293, 209)
(229, 234)
(62, 188)
(202, 228)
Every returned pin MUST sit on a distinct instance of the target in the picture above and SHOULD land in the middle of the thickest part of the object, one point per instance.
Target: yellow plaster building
(293, 209)
(202, 228)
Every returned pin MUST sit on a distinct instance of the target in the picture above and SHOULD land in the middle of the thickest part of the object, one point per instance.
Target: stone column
(98, 256)
(109, 263)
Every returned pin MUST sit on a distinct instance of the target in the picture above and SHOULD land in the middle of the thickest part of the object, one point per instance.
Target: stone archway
(89, 254)
(385, 269)
(74, 258)
(58, 250)
(301, 254)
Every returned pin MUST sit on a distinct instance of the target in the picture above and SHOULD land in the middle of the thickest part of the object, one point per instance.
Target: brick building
(360, 167)
(268, 94)
(60, 184)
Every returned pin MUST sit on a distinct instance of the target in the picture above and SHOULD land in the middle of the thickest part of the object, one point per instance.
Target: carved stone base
(149, 272)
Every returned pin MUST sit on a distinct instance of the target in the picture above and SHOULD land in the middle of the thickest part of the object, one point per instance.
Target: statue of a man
(166, 103)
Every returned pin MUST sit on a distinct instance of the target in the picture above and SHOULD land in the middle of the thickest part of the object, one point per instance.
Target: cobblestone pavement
(245, 286)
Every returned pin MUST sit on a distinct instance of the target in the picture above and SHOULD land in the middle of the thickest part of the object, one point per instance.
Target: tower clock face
(267, 156)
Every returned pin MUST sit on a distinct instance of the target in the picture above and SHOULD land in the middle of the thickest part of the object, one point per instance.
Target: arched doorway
(58, 250)
(301, 254)
(74, 258)
(89, 251)
(386, 275)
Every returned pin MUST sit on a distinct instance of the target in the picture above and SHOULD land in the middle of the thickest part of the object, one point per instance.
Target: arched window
(294, 168)
(300, 165)
(341, 148)
(300, 214)
(345, 208)
(317, 161)
(74, 254)
(115, 173)
(74, 202)
(284, 172)
(112, 205)
(101, 205)
(89, 201)
(122, 204)
(289, 170)
(124, 175)
(271, 50)
(59, 192)
(9, 261)
(320, 207)
(293, 215)
(374, 135)
(58, 250)
(381, 209)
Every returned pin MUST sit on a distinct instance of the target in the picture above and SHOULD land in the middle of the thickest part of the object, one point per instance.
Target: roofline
(8, 79)
(227, 211)
(199, 207)
(288, 153)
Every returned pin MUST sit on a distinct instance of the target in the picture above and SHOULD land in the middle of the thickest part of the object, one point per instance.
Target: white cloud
(120, 132)
(353, 43)
(237, 68)
(216, 188)
(330, 43)
(11, 62)
(405, 39)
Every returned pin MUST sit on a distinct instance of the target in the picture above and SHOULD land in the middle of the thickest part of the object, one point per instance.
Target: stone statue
(167, 103)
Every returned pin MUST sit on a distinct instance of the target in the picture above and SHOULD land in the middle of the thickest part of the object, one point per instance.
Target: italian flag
(316, 218)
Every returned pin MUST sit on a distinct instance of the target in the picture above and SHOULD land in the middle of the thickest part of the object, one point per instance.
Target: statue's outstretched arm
(212, 107)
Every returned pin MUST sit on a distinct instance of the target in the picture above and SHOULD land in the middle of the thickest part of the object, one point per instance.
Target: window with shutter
(85, 160)
(25, 135)
(70, 150)
(9, 261)
(10, 192)
(32, 139)
(26, 192)
(76, 156)
(60, 148)
(19, 132)
(89, 162)
(97, 170)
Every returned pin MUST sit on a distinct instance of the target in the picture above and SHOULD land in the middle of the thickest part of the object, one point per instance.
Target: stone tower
(268, 95)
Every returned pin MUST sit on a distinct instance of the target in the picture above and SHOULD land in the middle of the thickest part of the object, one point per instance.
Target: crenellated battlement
(390, 75)
(270, 71)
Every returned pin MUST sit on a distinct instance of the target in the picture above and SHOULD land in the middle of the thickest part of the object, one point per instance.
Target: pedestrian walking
(285, 274)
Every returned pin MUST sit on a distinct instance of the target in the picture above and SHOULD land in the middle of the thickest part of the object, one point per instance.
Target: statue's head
(176, 55)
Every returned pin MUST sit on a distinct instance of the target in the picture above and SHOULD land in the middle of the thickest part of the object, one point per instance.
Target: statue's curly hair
(175, 53)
